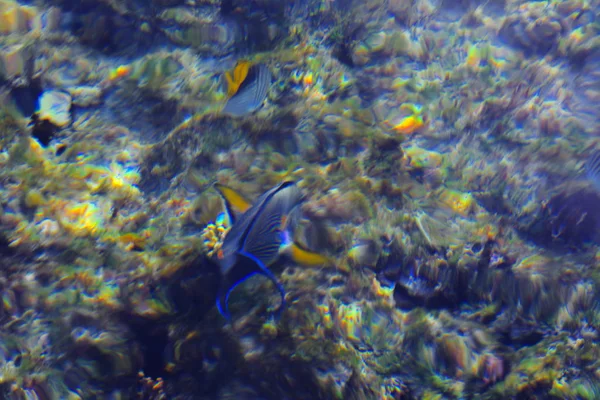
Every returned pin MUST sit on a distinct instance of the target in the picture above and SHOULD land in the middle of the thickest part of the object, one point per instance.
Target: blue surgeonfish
(258, 236)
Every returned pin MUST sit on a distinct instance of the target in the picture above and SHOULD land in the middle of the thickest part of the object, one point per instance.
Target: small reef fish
(410, 123)
(257, 238)
(122, 71)
(592, 169)
(247, 87)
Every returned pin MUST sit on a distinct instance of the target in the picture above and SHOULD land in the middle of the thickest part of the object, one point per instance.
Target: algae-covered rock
(55, 107)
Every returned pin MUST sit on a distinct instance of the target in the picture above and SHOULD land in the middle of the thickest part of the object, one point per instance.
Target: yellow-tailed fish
(257, 238)
(251, 93)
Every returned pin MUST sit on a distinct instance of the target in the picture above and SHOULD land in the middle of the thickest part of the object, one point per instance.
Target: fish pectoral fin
(235, 203)
(247, 268)
(222, 305)
(306, 257)
(225, 291)
(266, 272)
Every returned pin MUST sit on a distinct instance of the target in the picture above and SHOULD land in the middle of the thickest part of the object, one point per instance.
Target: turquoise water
(320, 199)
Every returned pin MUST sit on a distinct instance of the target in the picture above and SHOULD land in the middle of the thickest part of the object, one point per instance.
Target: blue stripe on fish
(592, 169)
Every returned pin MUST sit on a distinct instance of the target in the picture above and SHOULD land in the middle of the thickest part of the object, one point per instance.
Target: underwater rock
(214, 37)
(570, 217)
(518, 332)
(15, 18)
(461, 203)
(374, 43)
(360, 386)
(435, 230)
(536, 27)
(154, 71)
(430, 297)
(107, 349)
(419, 158)
(108, 26)
(55, 107)
(86, 96)
(417, 291)
(384, 155)
(16, 64)
(339, 205)
(51, 20)
(364, 253)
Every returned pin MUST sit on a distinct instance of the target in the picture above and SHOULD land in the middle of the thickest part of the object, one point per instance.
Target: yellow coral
(118, 182)
(214, 234)
(80, 219)
(560, 388)
(122, 71)
(308, 79)
(384, 293)
(108, 296)
(349, 320)
(422, 158)
(473, 57)
(459, 202)
(15, 18)
(34, 198)
(325, 312)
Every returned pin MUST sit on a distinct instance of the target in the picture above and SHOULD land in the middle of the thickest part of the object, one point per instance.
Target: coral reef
(440, 148)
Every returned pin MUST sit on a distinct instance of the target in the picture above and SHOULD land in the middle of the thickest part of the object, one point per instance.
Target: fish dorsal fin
(235, 203)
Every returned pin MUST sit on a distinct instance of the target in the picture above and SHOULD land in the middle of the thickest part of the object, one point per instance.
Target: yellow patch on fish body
(236, 77)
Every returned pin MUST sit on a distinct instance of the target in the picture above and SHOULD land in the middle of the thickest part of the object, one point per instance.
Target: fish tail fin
(222, 304)
(306, 257)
